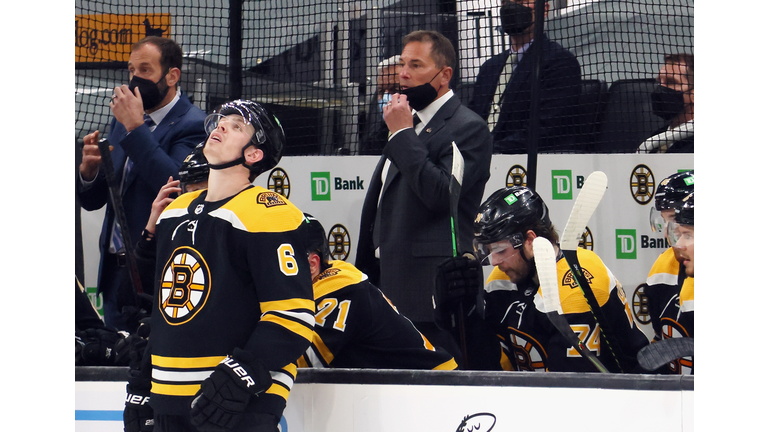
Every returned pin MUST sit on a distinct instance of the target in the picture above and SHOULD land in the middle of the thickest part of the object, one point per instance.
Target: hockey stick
(583, 209)
(657, 354)
(546, 269)
(117, 203)
(454, 193)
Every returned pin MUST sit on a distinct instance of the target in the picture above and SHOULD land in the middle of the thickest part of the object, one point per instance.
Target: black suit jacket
(415, 231)
(560, 89)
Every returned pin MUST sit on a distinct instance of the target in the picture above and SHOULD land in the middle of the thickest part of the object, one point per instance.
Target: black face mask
(515, 18)
(421, 96)
(667, 103)
(151, 95)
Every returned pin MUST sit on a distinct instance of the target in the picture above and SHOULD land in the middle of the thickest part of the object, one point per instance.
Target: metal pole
(235, 49)
(533, 125)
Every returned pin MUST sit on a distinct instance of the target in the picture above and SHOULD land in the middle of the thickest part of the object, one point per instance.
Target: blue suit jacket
(560, 89)
(156, 155)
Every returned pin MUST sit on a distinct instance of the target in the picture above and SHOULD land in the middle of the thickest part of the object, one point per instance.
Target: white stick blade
(546, 268)
(457, 169)
(583, 209)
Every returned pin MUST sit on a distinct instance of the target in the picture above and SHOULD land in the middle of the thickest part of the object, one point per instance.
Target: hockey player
(667, 273)
(505, 227)
(356, 326)
(233, 305)
(677, 315)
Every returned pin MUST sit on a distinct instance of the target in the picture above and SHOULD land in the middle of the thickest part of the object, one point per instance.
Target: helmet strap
(238, 161)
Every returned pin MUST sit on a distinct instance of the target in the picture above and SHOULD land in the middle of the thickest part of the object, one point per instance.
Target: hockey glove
(130, 350)
(98, 347)
(225, 394)
(138, 415)
(457, 281)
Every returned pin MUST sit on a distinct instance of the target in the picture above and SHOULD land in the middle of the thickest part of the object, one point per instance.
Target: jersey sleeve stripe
(300, 329)
(279, 390)
(287, 305)
(180, 376)
(186, 362)
(322, 349)
(449, 365)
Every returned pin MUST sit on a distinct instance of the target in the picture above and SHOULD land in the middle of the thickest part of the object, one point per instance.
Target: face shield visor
(488, 253)
(238, 123)
(680, 236)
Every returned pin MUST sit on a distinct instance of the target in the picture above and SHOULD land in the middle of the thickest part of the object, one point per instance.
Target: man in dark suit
(154, 128)
(509, 74)
(405, 219)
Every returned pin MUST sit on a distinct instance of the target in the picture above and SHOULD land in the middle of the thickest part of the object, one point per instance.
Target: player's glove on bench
(457, 281)
(225, 394)
(138, 416)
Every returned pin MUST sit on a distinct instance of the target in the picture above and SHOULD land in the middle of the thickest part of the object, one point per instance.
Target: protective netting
(315, 63)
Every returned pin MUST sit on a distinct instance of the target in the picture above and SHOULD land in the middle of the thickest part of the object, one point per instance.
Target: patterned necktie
(506, 74)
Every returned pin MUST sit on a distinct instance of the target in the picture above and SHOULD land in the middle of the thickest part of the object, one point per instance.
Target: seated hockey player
(667, 273)
(677, 315)
(505, 227)
(355, 324)
(233, 303)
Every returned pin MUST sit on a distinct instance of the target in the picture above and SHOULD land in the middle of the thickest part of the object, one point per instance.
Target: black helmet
(508, 213)
(673, 189)
(194, 169)
(684, 211)
(316, 239)
(269, 135)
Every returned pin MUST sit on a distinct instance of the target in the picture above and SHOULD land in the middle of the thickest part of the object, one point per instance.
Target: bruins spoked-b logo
(279, 182)
(642, 184)
(640, 308)
(586, 241)
(516, 176)
(338, 242)
(185, 285)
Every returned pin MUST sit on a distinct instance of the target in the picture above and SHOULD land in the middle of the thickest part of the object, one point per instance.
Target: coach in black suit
(560, 87)
(154, 128)
(406, 214)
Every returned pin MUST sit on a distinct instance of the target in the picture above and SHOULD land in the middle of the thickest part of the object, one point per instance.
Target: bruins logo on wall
(338, 242)
(640, 305)
(586, 241)
(185, 285)
(516, 176)
(642, 184)
(279, 182)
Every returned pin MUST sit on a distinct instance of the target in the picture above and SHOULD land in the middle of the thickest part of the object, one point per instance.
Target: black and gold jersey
(529, 340)
(356, 326)
(664, 281)
(229, 274)
(677, 321)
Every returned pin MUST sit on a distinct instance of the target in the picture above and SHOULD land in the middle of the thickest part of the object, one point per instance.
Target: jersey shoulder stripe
(600, 279)
(340, 275)
(664, 269)
(258, 210)
(686, 295)
(178, 207)
(498, 281)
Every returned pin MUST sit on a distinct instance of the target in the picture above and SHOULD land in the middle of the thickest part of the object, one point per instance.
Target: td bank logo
(563, 185)
(626, 244)
(321, 186)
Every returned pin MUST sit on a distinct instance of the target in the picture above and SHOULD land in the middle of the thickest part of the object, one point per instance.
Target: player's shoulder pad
(600, 278)
(178, 207)
(259, 210)
(664, 269)
(339, 275)
(686, 295)
(498, 281)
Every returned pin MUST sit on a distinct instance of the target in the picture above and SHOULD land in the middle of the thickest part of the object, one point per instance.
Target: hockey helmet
(194, 169)
(269, 135)
(316, 239)
(684, 219)
(507, 214)
(670, 192)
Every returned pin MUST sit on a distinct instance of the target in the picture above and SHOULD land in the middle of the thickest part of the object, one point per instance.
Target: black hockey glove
(130, 350)
(457, 282)
(225, 394)
(97, 347)
(138, 415)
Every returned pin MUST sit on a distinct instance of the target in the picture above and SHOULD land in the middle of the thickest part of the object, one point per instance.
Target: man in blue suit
(154, 128)
(502, 91)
